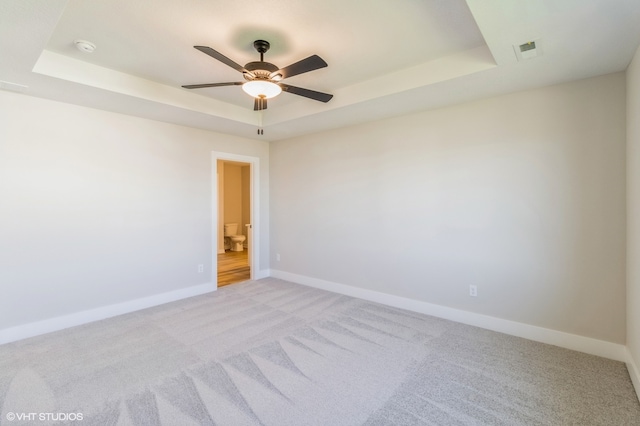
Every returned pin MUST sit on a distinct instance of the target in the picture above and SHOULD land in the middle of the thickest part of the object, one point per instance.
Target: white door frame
(254, 200)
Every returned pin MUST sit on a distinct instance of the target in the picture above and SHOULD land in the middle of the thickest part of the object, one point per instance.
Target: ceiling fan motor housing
(259, 69)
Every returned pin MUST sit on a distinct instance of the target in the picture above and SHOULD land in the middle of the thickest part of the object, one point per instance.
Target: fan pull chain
(260, 121)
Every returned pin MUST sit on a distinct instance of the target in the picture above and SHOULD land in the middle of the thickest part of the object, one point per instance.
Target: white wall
(522, 195)
(98, 208)
(633, 216)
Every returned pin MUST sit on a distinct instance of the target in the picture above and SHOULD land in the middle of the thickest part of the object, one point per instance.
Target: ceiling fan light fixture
(261, 88)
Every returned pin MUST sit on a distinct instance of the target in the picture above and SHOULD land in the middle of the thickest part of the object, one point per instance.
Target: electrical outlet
(473, 290)
(278, 257)
(201, 268)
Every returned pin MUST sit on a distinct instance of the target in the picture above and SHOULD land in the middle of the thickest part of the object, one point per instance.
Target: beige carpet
(275, 353)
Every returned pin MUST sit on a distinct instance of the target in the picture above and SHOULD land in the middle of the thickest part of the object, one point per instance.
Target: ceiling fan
(263, 79)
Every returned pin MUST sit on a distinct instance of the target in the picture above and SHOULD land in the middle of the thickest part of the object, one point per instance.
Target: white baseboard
(544, 335)
(263, 273)
(634, 373)
(59, 323)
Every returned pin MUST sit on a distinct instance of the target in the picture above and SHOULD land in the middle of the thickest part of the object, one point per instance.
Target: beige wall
(233, 194)
(237, 185)
(220, 175)
(633, 212)
(98, 208)
(246, 199)
(522, 195)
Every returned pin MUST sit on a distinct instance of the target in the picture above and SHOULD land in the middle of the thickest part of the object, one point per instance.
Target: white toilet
(231, 236)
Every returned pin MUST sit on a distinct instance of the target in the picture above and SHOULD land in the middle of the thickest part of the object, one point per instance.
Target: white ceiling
(385, 57)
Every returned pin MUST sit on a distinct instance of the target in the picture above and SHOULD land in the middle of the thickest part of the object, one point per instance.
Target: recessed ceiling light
(85, 46)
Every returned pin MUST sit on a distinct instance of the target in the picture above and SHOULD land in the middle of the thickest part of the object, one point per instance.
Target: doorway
(235, 202)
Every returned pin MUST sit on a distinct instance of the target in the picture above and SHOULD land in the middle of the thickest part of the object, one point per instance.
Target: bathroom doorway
(235, 222)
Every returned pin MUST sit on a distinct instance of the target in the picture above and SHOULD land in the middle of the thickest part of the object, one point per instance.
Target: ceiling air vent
(528, 50)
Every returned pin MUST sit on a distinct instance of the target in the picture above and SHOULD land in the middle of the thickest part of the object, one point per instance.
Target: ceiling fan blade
(311, 94)
(200, 86)
(308, 64)
(219, 56)
(259, 104)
